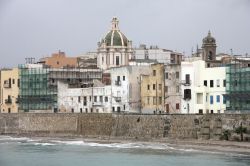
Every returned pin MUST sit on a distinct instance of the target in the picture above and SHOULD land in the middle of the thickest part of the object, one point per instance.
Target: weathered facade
(152, 90)
(9, 90)
(38, 90)
(172, 88)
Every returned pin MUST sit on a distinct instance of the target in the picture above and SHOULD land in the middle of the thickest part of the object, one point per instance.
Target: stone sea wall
(141, 127)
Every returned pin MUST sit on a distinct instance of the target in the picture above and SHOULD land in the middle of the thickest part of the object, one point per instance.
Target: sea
(24, 151)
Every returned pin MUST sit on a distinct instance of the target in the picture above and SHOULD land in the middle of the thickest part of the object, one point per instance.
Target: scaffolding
(238, 86)
(38, 85)
(35, 92)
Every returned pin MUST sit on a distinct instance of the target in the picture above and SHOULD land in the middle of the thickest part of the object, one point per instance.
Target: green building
(238, 87)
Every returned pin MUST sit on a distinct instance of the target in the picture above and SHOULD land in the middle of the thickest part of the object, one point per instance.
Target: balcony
(186, 82)
(96, 104)
(7, 85)
(8, 101)
(118, 99)
(118, 83)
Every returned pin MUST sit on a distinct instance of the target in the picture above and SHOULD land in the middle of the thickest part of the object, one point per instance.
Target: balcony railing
(118, 99)
(97, 104)
(118, 83)
(186, 82)
(8, 101)
(6, 85)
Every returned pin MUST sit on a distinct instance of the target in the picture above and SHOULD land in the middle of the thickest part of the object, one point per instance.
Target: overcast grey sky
(37, 28)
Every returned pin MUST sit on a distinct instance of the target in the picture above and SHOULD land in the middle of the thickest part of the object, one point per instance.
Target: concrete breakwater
(141, 127)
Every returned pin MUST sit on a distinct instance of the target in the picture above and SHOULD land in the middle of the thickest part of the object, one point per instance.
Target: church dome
(115, 37)
(209, 39)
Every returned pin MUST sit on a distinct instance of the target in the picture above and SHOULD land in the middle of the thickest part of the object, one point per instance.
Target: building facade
(38, 85)
(202, 88)
(152, 90)
(121, 96)
(172, 88)
(59, 60)
(9, 90)
(115, 49)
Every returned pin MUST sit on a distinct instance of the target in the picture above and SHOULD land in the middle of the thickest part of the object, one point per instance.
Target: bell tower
(209, 48)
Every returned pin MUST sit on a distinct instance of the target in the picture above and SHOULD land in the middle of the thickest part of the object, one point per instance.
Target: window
(124, 107)
(90, 98)
(218, 98)
(177, 75)
(166, 75)
(166, 88)
(80, 110)
(200, 111)
(187, 81)
(224, 83)
(117, 60)
(18, 83)
(160, 100)
(118, 109)
(224, 100)
(148, 87)
(211, 83)
(205, 82)
(13, 81)
(148, 100)
(218, 83)
(101, 99)
(211, 100)
(79, 99)
(177, 106)
(153, 86)
(84, 100)
(177, 89)
(113, 109)
(160, 86)
(72, 110)
(154, 100)
(57, 62)
(106, 99)
(167, 108)
(212, 111)
(95, 98)
(154, 72)
(123, 78)
(187, 94)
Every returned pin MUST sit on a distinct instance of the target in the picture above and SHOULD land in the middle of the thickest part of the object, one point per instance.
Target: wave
(153, 146)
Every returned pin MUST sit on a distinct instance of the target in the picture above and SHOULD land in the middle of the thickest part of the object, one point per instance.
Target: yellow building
(152, 90)
(9, 90)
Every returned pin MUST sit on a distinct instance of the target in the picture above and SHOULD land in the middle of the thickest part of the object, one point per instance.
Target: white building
(123, 95)
(202, 88)
(164, 56)
(84, 100)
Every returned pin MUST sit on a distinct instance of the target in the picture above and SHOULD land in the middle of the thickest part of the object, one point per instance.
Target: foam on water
(154, 146)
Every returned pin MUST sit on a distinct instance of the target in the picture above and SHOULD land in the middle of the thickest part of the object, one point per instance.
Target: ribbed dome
(209, 39)
(115, 37)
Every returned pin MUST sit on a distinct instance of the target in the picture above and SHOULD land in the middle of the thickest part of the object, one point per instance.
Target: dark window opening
(187, 79)
(211, 83)
(187, 94)
(200, 111)
(154, 72)
(205, 82)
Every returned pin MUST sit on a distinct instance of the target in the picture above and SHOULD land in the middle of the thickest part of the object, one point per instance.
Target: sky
(38, 28)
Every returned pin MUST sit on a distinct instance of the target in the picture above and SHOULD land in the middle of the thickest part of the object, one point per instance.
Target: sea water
(54, 152)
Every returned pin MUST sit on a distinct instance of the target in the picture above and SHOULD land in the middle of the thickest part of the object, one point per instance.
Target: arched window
(210, 55)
